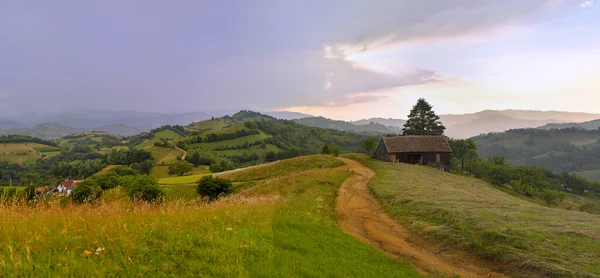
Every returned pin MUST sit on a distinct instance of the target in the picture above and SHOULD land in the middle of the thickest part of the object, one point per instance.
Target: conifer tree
(423, 121)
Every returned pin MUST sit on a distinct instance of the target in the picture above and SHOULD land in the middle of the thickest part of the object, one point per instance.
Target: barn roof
(419, 144)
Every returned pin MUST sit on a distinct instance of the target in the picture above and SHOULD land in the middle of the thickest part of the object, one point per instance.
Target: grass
(21, 153)
(164, 155)
(253, 149)
(181, 180)
(283, 227)
(163, 171)
(234, 142)
(230, 129)
(116, 148)
(210, 124)
(166, 134)
(105, 170)
(470, 214)
(286, 167)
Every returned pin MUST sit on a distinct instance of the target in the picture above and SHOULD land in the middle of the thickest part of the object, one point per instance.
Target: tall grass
(283, 227)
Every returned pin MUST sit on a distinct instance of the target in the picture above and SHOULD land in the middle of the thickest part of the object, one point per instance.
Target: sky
(342, 59)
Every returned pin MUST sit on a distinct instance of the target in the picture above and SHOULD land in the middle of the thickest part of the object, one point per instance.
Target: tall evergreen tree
(423, 121)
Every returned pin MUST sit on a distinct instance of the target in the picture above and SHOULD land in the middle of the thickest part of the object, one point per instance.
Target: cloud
(196, 55)
(587, 4)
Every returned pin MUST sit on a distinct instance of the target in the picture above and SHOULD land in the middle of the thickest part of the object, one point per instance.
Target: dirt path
(181, 150)
(361, 216)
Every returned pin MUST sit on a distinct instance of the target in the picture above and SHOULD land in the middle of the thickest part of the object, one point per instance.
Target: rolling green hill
(453, 211)
(20, 149)
(96, 141)
(251, 138)
(569, 150)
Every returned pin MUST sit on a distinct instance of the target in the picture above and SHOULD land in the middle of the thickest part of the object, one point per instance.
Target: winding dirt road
(361, 216)
(183, 151)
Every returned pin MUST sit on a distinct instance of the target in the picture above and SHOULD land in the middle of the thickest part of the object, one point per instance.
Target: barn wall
(392, 157)
(381, 152)
(428, 158)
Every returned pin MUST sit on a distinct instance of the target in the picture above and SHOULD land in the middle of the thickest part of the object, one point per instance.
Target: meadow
(233, 142)
(453, 211)
(21, 153)
(283, 225)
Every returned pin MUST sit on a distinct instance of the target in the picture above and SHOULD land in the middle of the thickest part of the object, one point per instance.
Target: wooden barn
(425, 150)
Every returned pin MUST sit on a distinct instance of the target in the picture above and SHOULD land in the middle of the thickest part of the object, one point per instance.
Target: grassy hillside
(568, 150)
(21, 153)
(284, 226)
(467, 213)
(249, 138)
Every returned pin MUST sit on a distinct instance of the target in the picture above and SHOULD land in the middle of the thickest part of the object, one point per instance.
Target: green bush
(180, 168)
(212, 187)
(221, 165)
(108, 181)
(87, 191)
(551, 197)
(123, 171)
(145, 188)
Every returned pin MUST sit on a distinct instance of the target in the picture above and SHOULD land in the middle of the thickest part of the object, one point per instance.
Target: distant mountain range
(469, 125)
(127, 123)
(54, 131)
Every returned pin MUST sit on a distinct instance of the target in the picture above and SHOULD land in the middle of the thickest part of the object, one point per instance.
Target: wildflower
(99, 250)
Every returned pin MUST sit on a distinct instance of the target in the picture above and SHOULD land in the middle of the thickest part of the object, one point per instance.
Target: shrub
(123, 171)
(108, 181)
(335, 150)
(551, 197)
(523, 188)
(180, 168)
(212, 187)
(221, 165)
(87, 191)
(145, 188)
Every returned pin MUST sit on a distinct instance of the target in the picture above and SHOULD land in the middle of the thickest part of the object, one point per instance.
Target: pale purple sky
(341, 59)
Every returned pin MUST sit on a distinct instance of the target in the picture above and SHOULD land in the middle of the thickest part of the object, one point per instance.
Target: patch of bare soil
(361, 216)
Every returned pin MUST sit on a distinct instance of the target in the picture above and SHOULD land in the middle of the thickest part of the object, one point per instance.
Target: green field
(283, 168)
(21, 153)
(163, 171)
(166, 134)
(210, 124)
(163, 155)
(282, 227)
(253, 149)
(234, 142)
(469, 214)
(117, 148)
(182, 180)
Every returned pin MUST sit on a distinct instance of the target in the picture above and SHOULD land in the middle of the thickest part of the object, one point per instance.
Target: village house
(424, 150)
(67, 186)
